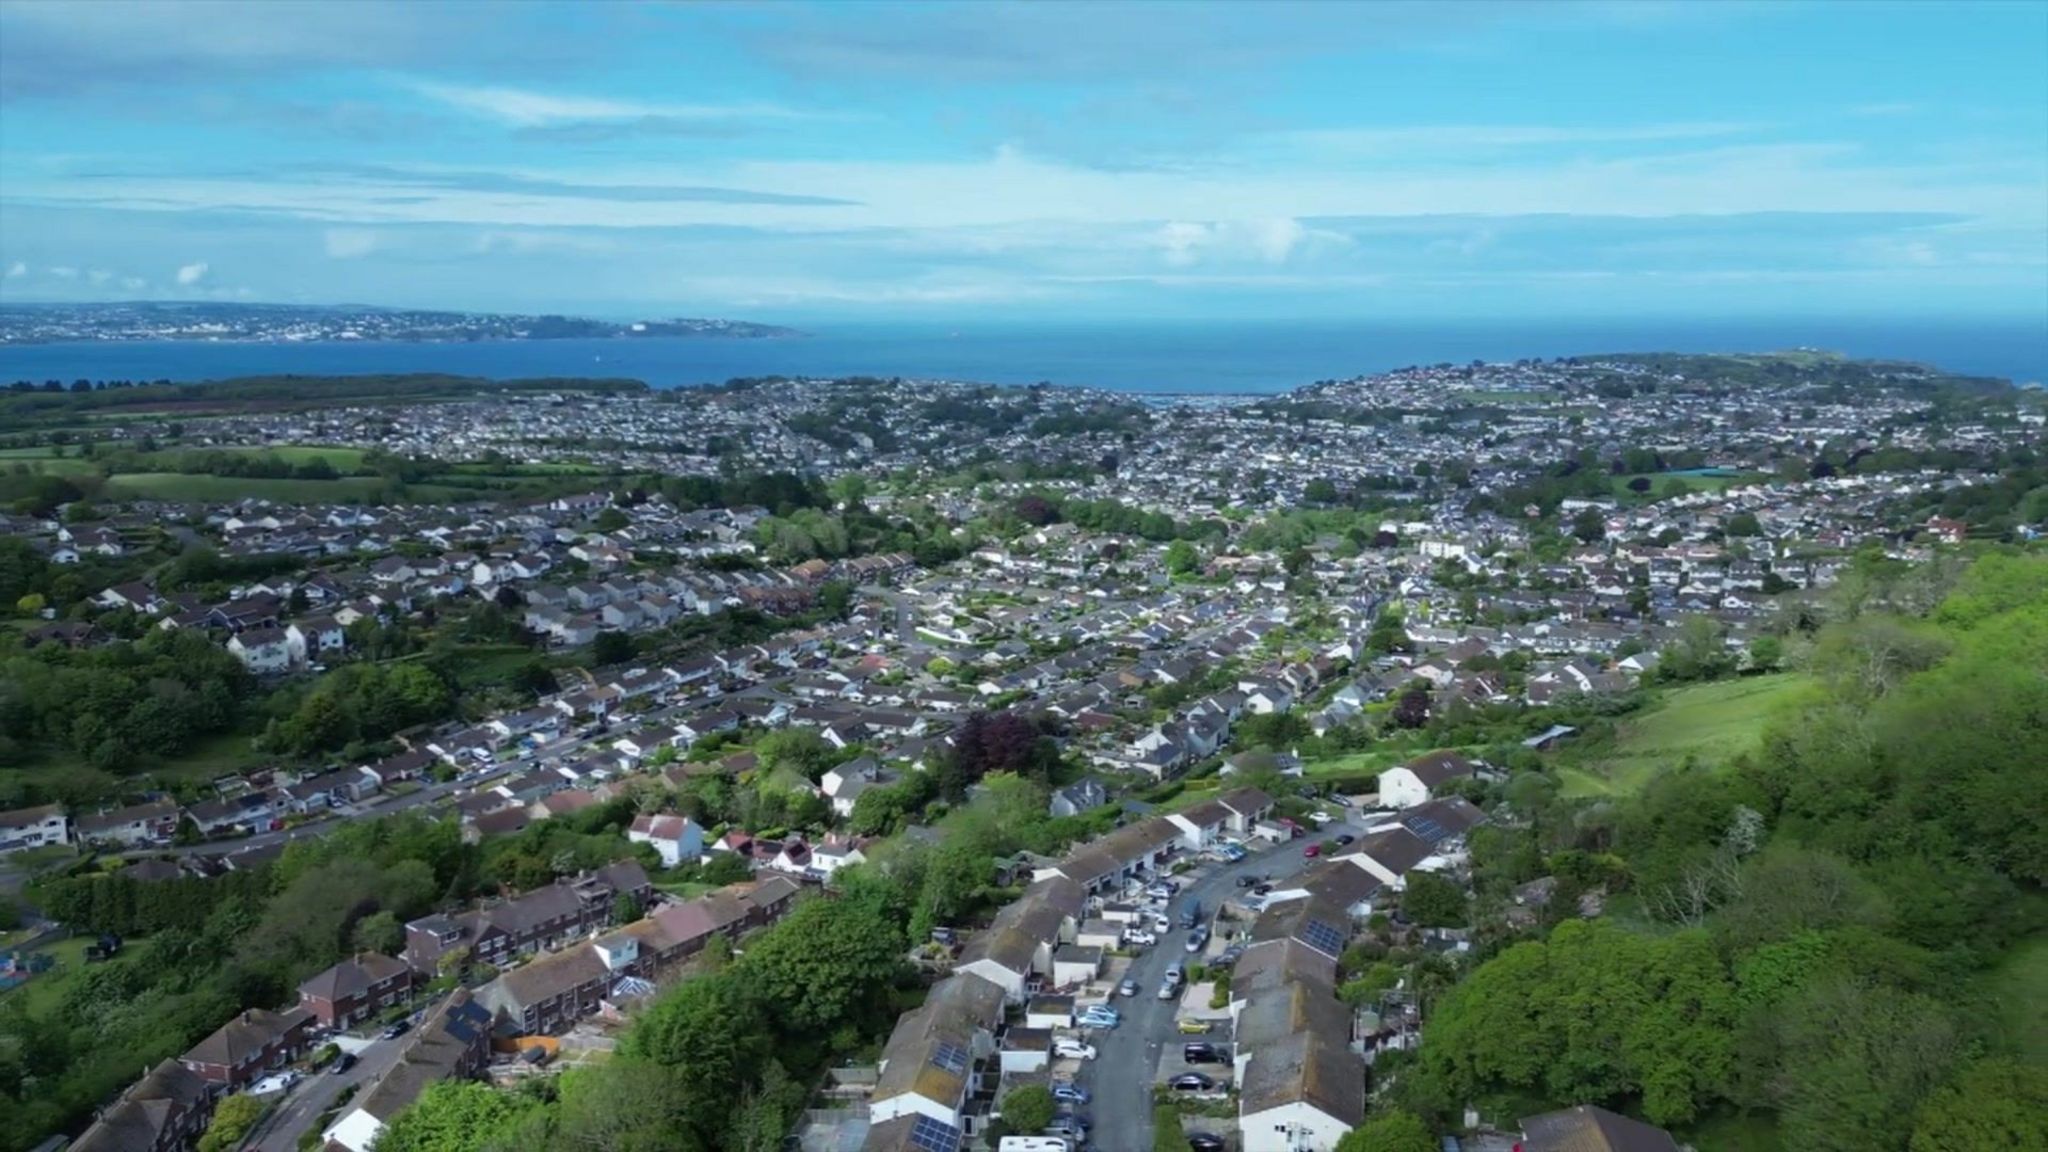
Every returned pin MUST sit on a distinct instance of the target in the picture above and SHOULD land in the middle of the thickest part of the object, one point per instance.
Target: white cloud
(351, 243)
(64, 272)
(99, 276)
(17, 270)
(1268, 241)
(191, 274)
(521, 108)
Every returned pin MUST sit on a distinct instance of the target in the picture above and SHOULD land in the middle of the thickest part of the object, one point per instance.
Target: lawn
(1658, 481)
(2018, 992)
(1710, 721)
(42, 993)
(179, 486)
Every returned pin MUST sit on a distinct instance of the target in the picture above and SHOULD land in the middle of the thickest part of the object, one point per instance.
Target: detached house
(1406, 785)
(677, 838)
(264, 651)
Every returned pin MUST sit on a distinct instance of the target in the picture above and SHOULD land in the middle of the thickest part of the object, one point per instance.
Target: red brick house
(166, 1111)
(250, 1046)
(357, 989)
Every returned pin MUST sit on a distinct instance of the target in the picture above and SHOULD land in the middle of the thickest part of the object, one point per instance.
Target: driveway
(317, 1092)
(1121, 1077)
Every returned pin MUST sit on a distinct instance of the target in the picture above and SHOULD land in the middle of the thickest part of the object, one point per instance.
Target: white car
(1068, 1048)
(1140, 936)
(1160, 923)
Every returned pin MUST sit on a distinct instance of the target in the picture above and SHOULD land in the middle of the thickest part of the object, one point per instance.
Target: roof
(1034, 919)
(931, 1049)
(352, 976)
(1305, 1067)
(913, 1133)
(1245, 801)
(1291, 1009)
(246, 1036)
(1273, 964)
(456, 1026)
(1443, 818)
(1396, 849)
(1590, 1129)
(134, 1122)
(544, 978)
(1437, 768)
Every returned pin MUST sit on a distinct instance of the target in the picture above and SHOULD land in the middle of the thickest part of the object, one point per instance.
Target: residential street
(303, 1105)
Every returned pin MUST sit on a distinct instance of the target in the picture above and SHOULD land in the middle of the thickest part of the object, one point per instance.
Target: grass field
(1709, 721)
(43, 992)
(2019, 990)
(1658, 481)
(343, 459)
(179, 486)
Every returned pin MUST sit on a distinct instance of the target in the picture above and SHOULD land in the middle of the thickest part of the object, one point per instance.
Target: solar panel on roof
(951, 1057)
(930, 1135)
(1426, 828)
(1323, 938)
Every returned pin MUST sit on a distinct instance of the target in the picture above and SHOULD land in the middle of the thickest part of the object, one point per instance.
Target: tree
(1028, 1109)
(826, 964)
(625, 908)
(1181, 558)
(612, 519)
(1395, 1131)
(1994, 1105)
(232, 1120)
(611, 648)
(1742, 524)
(1411, 710)
(1433, 901)
(456, 1116)
(1589, 526)
(378, 932)
(1639, 484)
(1765, 653)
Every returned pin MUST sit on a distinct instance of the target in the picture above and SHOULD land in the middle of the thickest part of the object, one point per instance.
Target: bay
(1228, 358)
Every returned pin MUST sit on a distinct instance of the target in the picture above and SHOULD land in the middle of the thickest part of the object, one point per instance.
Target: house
(165, 1111)
(26, 828)
(678, 839)
(264, 651)
(314, 638)
(1021, 940)
(1300, 1093)
(1201, 825)
(541, 919)
(928, 1065)
(1247, 806)
(359, 988)
(1081, 796)
(256, 1042)
(1406, 785)
(549, 993)
(453, 1043)
(135, 826)
(1591, 1129)
(844, 784)
(835, 852)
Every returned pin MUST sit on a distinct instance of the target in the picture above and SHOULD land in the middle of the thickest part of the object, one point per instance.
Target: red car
(1313, 851)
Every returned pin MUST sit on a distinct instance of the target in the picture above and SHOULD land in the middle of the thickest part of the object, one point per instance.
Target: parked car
(1201, 1054)
(1198, 940)
(1191, 915)
(1261, 888)
(396, 1030)
(1204, 1142)
(1069, 1048)
(1340, 800)
(1191, 1082)
(1069, 1091)
(1103, 1020)
(343, 1062)
(1127, 988)
(1247, 881)
(1344, 839)
(1192, 1027)
(1069, 1125)
(1140, 936)
(1160, 923)
(1312, 851)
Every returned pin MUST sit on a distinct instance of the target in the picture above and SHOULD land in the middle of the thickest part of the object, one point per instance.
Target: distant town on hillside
(291, 323)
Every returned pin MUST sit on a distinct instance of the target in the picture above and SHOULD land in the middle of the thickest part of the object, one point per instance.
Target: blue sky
(983, 161)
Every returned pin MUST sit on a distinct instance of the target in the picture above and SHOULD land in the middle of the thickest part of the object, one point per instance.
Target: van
(1034, 1144)
(1191, 915)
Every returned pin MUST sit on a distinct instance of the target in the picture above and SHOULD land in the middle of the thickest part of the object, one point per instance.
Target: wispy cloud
(193, 273)
(523, 108)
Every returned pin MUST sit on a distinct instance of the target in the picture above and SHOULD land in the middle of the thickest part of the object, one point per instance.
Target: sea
(1155, 359)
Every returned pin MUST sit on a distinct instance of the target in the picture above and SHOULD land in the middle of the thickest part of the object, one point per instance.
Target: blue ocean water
(1157, 358)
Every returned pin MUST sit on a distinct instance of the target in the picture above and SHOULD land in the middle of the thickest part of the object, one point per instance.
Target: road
(281, 1130)
(1123, 1073)
(906, 626)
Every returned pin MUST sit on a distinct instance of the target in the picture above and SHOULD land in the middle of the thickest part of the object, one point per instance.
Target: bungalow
(1247, 806)
(1412, 783)
(1201, 825)
(1021, 940)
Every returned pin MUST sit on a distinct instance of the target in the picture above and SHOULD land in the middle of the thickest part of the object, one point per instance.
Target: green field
(42, 993)
(1695, 483)
(343, 459)
(1711, 722)
(180, 486)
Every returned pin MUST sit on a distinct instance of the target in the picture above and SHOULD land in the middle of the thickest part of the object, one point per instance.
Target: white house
(314, 638)
(1201, 825)
(676, 838)
(264, 651)
(1418, 781)
(26, 828)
